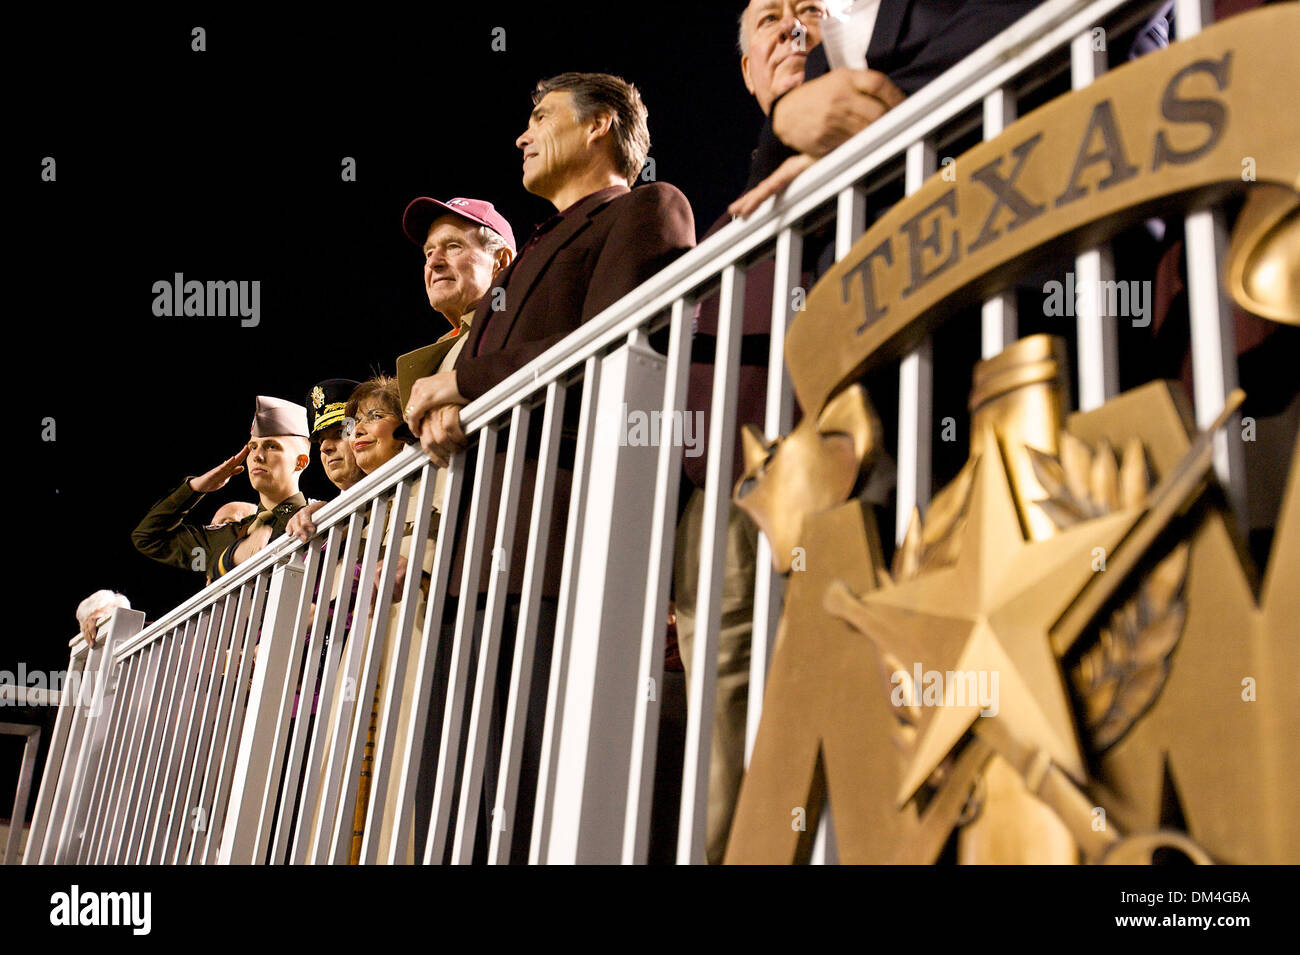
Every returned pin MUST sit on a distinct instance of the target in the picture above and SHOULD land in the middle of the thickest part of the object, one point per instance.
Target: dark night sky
(225, 165)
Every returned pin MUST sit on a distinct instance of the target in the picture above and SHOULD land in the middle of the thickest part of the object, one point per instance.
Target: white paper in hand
(846, 38)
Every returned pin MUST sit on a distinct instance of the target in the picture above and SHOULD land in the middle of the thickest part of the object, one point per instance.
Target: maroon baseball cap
(419, 215)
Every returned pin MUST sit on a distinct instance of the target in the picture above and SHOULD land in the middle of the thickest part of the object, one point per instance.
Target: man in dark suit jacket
(584, 147)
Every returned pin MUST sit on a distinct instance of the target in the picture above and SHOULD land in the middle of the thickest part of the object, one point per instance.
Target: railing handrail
(960, 88)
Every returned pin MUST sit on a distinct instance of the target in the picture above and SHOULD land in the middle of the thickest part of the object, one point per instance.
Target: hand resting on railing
(301, 524)
(817, 116)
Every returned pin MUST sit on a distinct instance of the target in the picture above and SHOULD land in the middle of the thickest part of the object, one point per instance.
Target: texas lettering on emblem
(1170, 126)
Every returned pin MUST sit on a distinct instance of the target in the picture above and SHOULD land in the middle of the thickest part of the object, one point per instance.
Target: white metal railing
(189, 750)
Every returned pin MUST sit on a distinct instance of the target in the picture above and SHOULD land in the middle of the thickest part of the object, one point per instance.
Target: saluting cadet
(276, 454)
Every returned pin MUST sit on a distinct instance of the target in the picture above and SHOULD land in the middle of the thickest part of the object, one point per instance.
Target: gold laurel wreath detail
(1119, 677)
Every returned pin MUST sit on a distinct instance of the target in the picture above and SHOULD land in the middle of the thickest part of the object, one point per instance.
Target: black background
(226, 165)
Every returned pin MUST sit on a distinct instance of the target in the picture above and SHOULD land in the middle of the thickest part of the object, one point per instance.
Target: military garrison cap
(275, 416)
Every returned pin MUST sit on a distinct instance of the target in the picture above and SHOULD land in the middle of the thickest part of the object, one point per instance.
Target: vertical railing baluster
(122, 625)
(57, 772)
(128, 696)
(701, 691)
(915, 387)
(521, 673)
(334, 835)
(553, 726)
(430, 683)
(1213, 335)
(368, 681)
(152, 743)
(255, 773)
(193, 809)
(181, 638)
(600, 693)
(181, 739)
(143, 711)
(315, 808)
(316, 589)
(230, 721)
(462, 648)
(850, 219)
(659, 569)
(1097, 338)
(998, 317)
(109, 776)
(395, 678)
(769, 586)
(177, 811)
(26, 770)
(476, 773)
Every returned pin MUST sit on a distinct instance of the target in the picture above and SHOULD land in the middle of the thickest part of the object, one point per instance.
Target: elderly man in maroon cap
(466, 244)
(276, 454)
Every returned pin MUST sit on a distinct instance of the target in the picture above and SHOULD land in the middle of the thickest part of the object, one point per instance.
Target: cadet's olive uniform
(168, 538)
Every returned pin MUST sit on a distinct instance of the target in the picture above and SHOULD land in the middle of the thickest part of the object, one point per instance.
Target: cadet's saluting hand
(216, 479)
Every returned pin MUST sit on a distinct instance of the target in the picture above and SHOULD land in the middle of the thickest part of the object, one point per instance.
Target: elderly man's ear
(744, 72)
(503, 259)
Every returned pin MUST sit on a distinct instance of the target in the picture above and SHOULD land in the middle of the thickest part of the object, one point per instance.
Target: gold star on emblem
(990, 613)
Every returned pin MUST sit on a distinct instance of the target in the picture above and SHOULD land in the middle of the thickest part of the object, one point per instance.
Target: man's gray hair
(742, 41)
(490, 240)
(101, 600)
